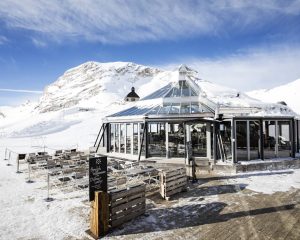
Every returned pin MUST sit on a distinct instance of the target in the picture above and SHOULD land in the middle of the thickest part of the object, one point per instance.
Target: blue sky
(242, 44)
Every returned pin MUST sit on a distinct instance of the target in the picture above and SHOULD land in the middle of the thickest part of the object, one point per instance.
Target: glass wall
(241, 141)
(156, 140)
(135, 139)
(269, 139)
(117, 137)
(122, 137)
(225, 132)
(112, 138)
(142, 129)
(176, 140)
(198, 138)
(284, 139)
(254, 138)
(128, 137)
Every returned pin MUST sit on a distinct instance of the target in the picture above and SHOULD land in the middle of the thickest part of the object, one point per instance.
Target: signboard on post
(97, 175)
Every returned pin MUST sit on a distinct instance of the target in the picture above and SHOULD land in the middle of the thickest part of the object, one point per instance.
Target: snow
(25, 214)
(269, 182)
(288, 93)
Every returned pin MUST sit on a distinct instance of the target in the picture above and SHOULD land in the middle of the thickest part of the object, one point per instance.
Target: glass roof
(133, 111)
(166, 109)
(181, 89)
(159, 93)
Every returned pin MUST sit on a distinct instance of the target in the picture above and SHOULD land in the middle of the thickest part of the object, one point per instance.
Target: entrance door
(198, 139)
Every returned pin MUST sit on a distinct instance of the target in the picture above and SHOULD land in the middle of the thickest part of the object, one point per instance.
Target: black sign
(97, 175)
(21, 156)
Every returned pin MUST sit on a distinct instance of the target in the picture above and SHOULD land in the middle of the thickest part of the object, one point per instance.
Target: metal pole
(48, 199)
(29, 170)
(8, 164)
(5, 158)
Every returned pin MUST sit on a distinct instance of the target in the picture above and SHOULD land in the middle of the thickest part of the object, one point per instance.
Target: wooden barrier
(116, 207)
(172, 182)
(126, 204)
(99, 215)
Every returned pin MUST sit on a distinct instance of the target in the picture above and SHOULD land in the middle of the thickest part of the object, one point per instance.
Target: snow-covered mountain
(288, 93)
(94, 83)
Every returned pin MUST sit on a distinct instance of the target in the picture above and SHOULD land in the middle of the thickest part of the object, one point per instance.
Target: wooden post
(99, 215)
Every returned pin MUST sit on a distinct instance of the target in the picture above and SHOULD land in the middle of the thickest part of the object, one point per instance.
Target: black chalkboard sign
(97, 175)
(21, 156)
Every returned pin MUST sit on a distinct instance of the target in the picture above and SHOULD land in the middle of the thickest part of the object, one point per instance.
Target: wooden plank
(175, 186)
(174, 172)
(115, 194)
(127, 211)
(127, 205)
(133, 215)
(126, 199)
(174, 183)
(99, 214)
(128, 215)
(182, 178)
(169, 179)
(177, 190)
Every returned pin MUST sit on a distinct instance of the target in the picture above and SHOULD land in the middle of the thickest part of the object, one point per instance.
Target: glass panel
(135, 139)
(195, 108)
(165, 109)
(174, 109)
(284, 139)
(175, 92)
(185, 108)
(225, 132)
(156, 139)
(241, 140)
(254, 139)
(112, 137)
(142, 126)
(117, 140)
(128, 138)
(269, 139)
(198, 137)
(159, 93)
(122, 138)
(176, 140)
(185, 90)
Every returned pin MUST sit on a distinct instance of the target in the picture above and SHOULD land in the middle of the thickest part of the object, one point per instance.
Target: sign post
(99, 196)
(97, 176)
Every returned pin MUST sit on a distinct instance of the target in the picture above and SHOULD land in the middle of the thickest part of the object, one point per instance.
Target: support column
(139, 137)
(167, 139)
(208, 140)
(131, 140)
(262, 140)
(215, 156)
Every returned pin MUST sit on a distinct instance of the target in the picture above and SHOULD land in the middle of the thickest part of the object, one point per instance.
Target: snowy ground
(214, 203)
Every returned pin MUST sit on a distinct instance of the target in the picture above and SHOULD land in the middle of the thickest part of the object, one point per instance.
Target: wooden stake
(99, 214)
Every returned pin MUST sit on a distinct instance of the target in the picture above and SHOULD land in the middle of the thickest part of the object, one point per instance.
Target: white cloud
(249, 69)
(39, 42)
(3, 40)
(20, 91)
(137, 20)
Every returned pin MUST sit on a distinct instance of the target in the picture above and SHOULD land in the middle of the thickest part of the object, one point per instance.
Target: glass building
(179, 121)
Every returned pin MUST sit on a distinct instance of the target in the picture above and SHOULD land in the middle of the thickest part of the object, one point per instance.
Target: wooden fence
(116, 207)
(126, 204)
(172, 182)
